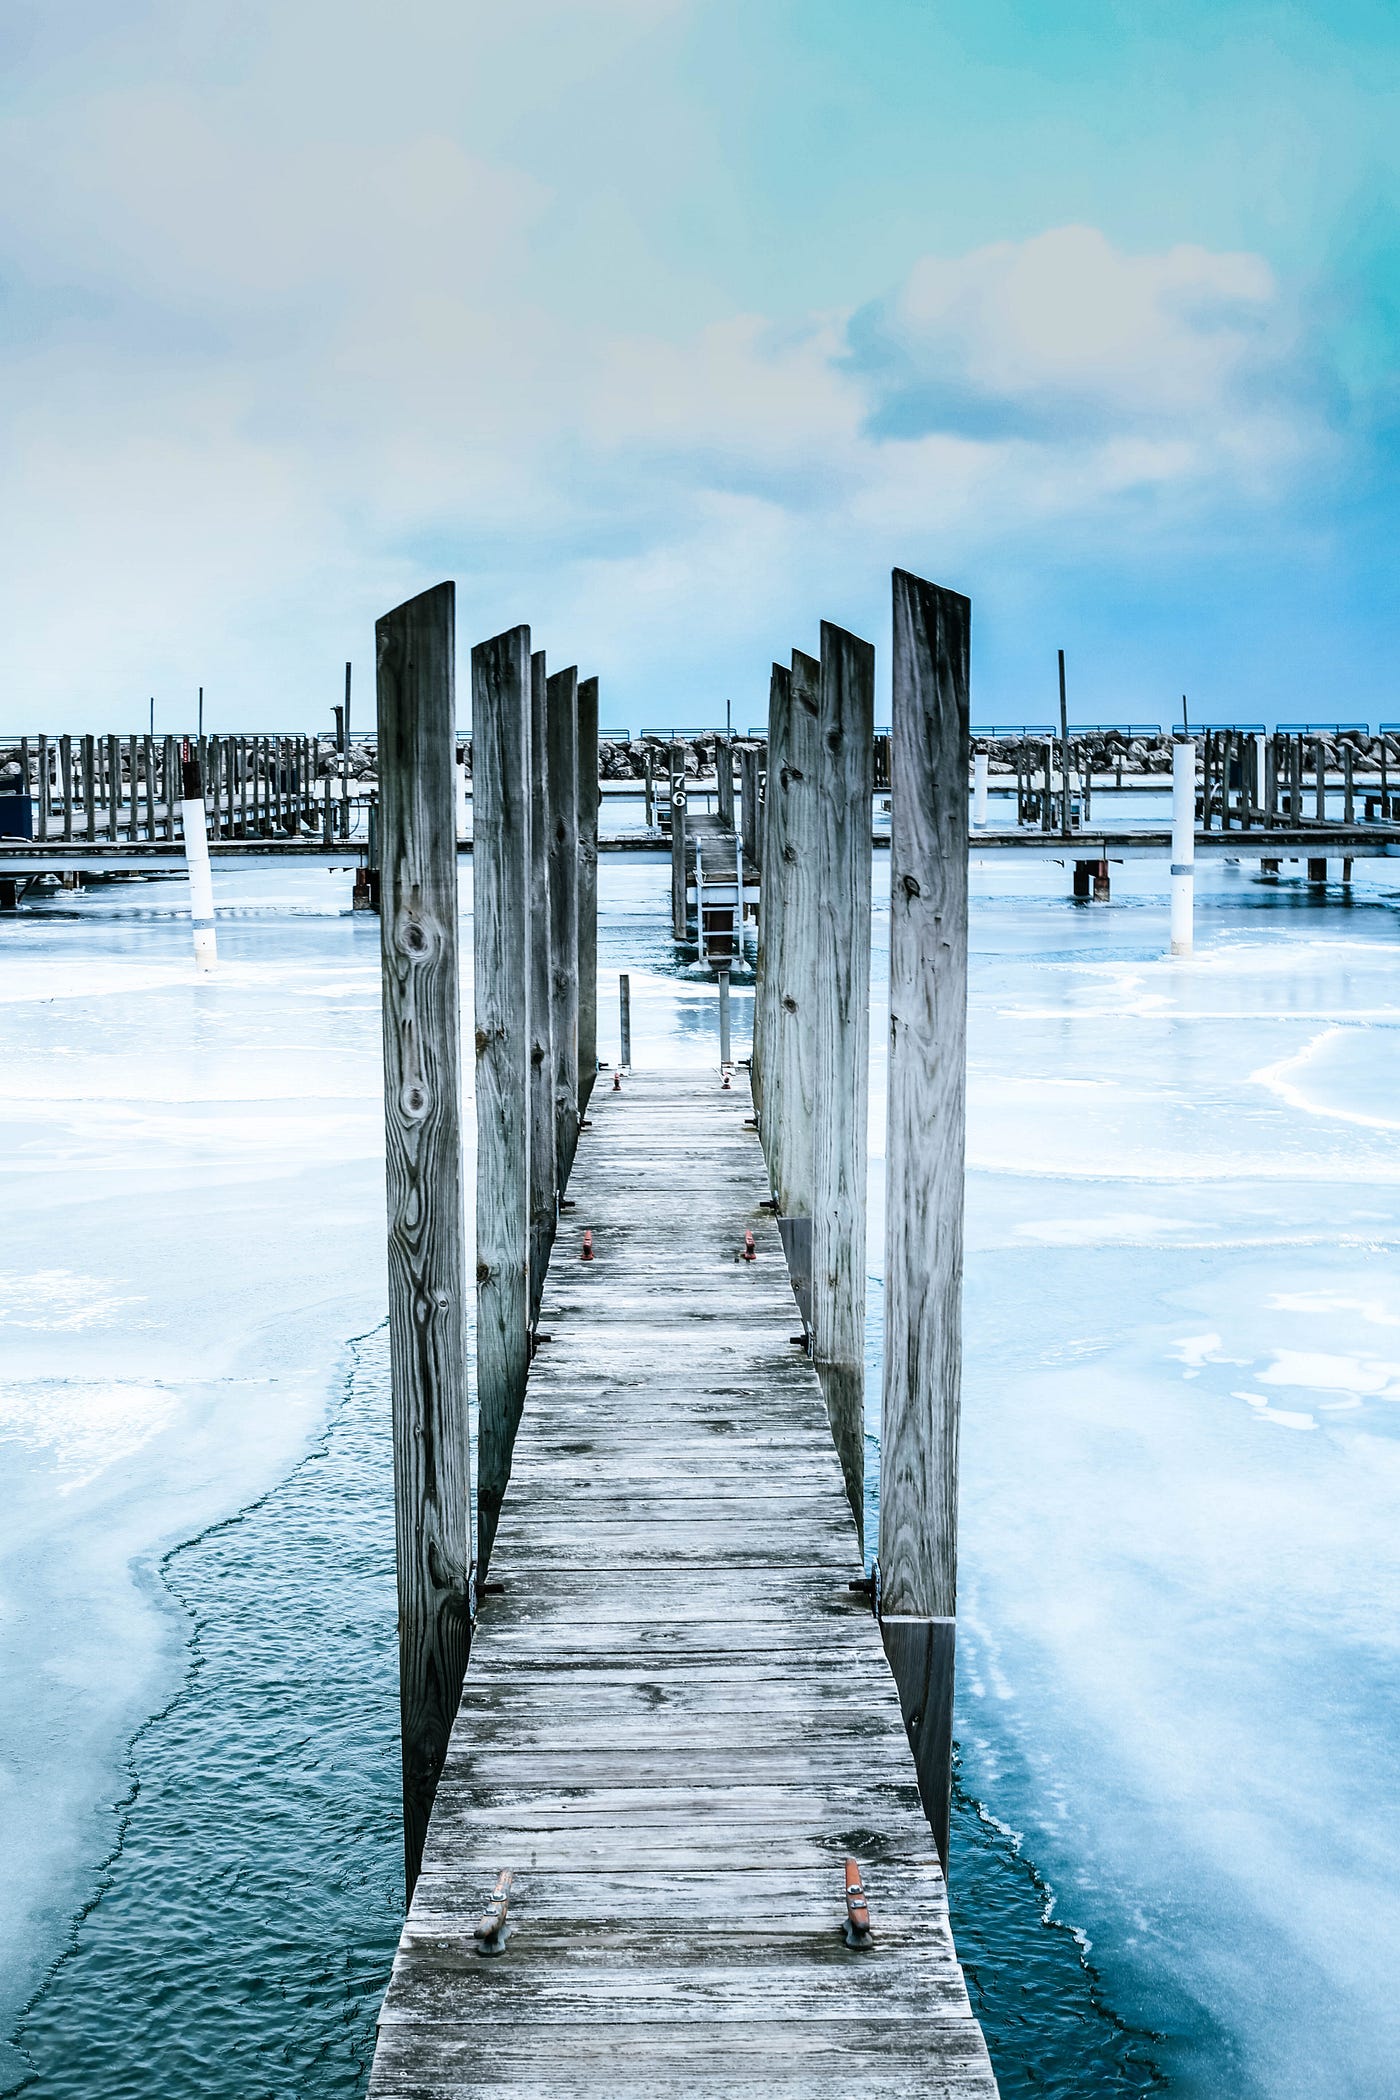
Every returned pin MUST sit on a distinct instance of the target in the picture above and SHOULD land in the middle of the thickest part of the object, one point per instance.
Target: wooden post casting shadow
(587, 890)
(792, 810)
(924, 1152)
(423, 1173)
(841, 1028)
(501, 918)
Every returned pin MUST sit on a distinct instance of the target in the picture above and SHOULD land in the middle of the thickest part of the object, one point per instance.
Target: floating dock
(678, 1723)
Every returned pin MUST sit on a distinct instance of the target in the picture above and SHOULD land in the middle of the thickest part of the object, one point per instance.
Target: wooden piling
(792, 810)
(423, 1171)
(562, 782)
(924, 1151)
(587, 890)
(624, 1022)
(544, 1186)
(724, 781)
(677, 791)
(844, 790)
(501, 922)
(770, 919)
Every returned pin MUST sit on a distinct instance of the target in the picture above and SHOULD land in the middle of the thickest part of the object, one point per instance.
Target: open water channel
(1179, 1698)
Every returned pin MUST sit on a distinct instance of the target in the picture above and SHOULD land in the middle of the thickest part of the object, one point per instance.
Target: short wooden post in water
(562, 708)
(196, 835)
(924, 1149)
(501, 920)
(1183, 843)
(844, 790)
(587, 890)
(423, 1176)
(544, 1186)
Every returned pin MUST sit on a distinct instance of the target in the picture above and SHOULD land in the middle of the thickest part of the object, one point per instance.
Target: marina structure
(676, 1768)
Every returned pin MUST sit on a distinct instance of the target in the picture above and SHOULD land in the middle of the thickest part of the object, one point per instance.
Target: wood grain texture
(926, 1100)
(841, 1001)
(768, 968)
(501, 914)
(544, 1186)
(792, 807)
(587, 890)
(562, 710)
(423, 1173)
(678, 1718)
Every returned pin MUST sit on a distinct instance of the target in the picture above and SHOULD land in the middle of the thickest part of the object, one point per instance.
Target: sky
(670, 326)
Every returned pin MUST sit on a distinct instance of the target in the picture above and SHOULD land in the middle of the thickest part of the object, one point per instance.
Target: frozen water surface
(1178, 1709)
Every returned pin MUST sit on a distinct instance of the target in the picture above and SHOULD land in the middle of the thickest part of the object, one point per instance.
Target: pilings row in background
(810, 836)
(535, 940)
(115, 788)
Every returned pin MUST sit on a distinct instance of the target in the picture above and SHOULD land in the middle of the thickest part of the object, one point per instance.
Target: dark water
(238, 1942)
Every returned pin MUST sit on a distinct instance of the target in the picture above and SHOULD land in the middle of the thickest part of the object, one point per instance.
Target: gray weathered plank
(423, 1173)
(924, 1151)
(679, 1719)
(501, 921)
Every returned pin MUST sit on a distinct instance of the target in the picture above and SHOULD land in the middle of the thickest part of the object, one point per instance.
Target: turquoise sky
(670, 327)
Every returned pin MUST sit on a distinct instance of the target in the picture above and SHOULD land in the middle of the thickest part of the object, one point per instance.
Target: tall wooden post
(748, 802)
(844, 786)
(501, 920)
(562, 709)
(924, 1152)
(423, 1170)
(766, 1087)
(544, 1186)
(792, 811)
(724, 781)
(587, 890)
(676, 790)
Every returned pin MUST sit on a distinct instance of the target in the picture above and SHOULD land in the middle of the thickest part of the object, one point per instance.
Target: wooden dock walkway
(678, 1720)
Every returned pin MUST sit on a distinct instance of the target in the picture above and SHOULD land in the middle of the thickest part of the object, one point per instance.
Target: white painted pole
(1183, 843)
(197, 855)
(979, 789)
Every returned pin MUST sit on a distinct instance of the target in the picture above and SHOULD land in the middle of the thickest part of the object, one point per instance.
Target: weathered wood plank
(423, 1172)
(544, 1184)
(679, 1720)
(501, 916)
(924, 1152)
(841, 1037)
(563, 787)
(587, 889)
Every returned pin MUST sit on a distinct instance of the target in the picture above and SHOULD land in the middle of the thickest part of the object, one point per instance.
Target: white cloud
(263, 377)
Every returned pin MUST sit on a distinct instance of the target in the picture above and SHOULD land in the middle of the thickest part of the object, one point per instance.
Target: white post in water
(979, 789)
(197, 855)
(1183, 842)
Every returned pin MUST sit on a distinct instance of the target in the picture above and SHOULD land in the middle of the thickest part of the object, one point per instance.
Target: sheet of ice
(1179, 1615)
(191, 1208)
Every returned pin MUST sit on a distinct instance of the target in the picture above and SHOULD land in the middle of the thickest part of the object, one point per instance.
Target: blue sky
(670, 327)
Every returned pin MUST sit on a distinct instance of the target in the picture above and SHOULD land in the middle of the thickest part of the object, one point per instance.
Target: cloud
(266, 366)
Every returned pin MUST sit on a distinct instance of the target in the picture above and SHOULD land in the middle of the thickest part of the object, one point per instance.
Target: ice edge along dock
(680, 1738)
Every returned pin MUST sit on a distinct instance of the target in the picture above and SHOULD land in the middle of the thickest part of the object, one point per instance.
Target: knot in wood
(911, 886)
(483, 1272)
(414, 1099)
(789, 1003)
(482, 1041)
(790, 853)
(414, 937)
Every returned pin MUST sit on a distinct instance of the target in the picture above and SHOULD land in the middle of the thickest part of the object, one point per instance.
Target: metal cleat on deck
(491, 1928)
(587, 1254)
(857, 1927)
(750, 1252)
